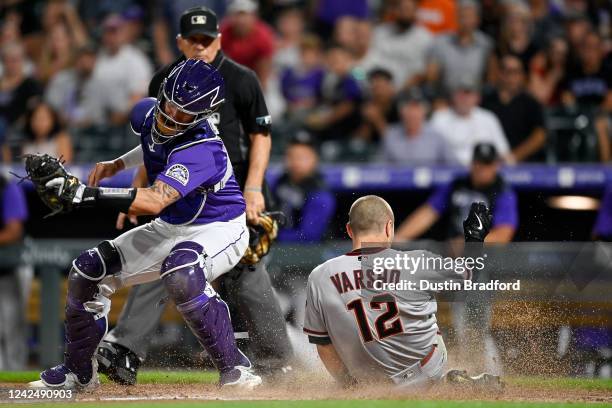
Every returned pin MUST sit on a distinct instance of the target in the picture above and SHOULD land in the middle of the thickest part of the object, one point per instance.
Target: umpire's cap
(199, 20)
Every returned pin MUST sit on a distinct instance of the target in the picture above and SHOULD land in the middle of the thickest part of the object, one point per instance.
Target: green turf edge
(589, 384)
(196, 376)
(320, 404)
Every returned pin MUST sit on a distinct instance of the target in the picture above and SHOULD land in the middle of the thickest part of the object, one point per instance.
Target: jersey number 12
(386, 325)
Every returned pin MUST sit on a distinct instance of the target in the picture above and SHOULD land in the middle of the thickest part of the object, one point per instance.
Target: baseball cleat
(243, 361)
(118, 363)
(239, 378)
(60, 377)
(484, 381)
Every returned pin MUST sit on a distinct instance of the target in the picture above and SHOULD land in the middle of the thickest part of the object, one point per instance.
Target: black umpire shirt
(244, 111)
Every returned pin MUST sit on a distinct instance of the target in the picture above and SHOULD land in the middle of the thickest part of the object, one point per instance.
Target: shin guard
(206, 315)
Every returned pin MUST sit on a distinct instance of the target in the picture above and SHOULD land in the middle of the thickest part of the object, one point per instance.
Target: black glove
(478, 223)
(55, 186)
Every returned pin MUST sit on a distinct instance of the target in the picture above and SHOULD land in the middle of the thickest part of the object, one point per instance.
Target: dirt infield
(309, 389)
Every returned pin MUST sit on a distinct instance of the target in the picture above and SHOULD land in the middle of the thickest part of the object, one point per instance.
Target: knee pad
(89, 268)
(183, 272)
(94, 264)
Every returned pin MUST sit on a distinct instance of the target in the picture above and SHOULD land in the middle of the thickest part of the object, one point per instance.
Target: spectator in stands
(290, 26)
(10, 31)
(10, 34)
(576, 27)
(344, 32)
(122, 69)
(363, 39)
(355, 35)
(602, 229)
(13, 288)
(338, 113)
(381, 108)
(135, 29)
(546, 21)
(439, 16)
(17, 90)
(301, 85)
(516, 37)
(248, 40)
(465, 124)
(75, 94)
(465, 53)
(63, 32)
(45, 134)
(589, 84)
(483, 183)
(302, 194)
(57, 53)
(520, 114)
(413, 142)
(547, 71)
(401, 47)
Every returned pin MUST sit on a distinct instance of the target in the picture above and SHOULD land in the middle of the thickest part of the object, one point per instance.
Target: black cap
(302, 137)
(199, 20)
(485, 153)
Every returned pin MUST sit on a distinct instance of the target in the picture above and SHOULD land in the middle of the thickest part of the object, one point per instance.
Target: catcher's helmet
(191, 93)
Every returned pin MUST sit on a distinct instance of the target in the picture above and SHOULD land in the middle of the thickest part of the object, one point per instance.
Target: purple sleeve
(202, 164)
(505, 211)
(603, 224)
(315, 217)
(14, 206)
(439, 199)
(139, 113)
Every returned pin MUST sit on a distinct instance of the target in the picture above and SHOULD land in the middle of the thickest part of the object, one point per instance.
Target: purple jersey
(196, 165)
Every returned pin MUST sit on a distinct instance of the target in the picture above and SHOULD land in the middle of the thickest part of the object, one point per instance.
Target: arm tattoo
(164, 193)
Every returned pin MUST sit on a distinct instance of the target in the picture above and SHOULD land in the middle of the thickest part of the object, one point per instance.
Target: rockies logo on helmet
(192, 92)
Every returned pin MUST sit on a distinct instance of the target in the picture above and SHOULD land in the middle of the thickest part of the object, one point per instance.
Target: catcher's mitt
(58, 195)
(262, 236)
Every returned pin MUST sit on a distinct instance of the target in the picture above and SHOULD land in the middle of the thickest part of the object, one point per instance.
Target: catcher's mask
(192, 92)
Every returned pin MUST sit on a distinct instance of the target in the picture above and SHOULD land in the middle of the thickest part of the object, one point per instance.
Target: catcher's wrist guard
(119, 199)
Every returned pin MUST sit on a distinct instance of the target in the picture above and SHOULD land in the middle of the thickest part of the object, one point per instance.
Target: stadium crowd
(403, 81)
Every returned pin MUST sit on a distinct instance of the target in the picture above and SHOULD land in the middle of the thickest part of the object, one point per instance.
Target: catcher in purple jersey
(199, 235)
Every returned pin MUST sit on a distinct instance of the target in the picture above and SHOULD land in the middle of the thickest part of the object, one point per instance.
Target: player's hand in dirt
(104, 170)
(478, 223)
(255, 205)
(122, 217)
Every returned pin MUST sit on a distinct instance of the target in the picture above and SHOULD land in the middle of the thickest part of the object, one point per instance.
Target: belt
(426, 359)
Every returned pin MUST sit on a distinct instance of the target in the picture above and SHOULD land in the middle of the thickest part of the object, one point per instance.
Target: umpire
(244, 124)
